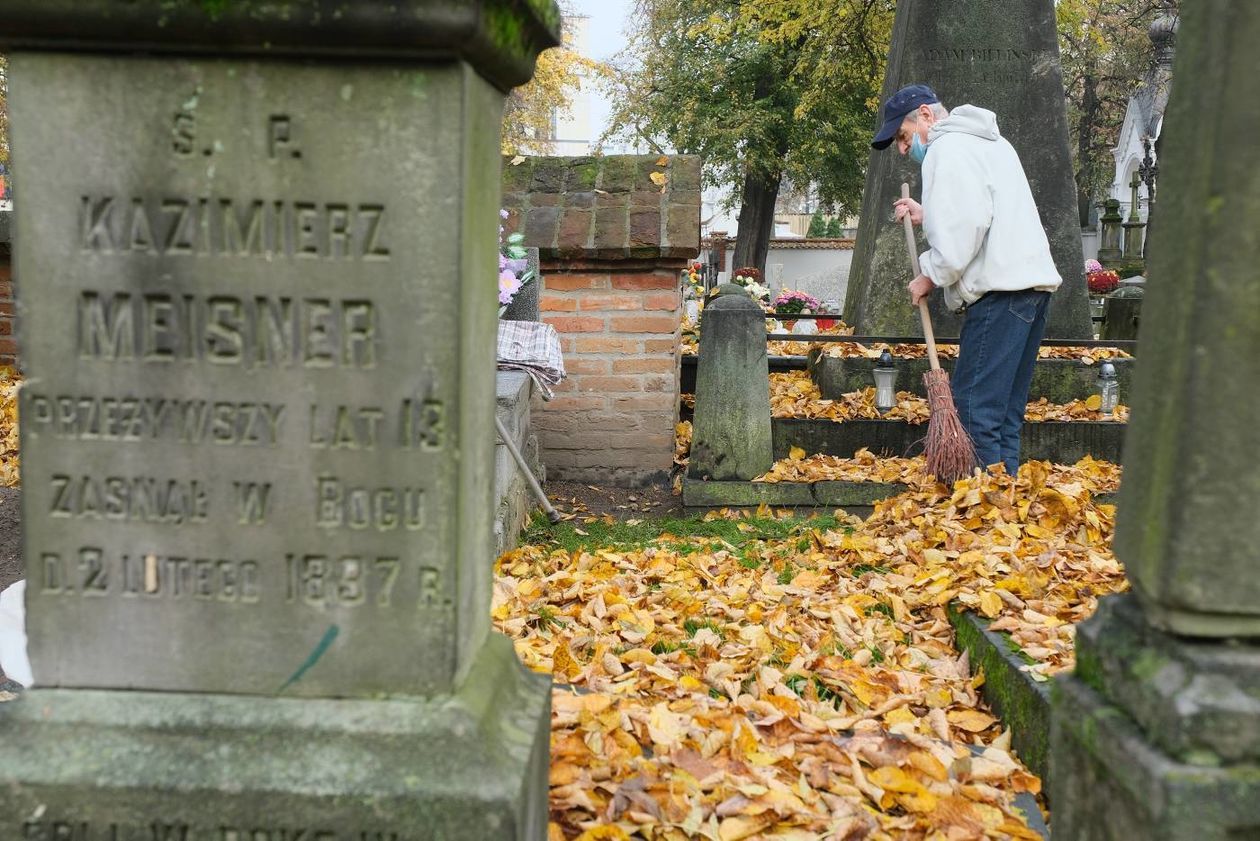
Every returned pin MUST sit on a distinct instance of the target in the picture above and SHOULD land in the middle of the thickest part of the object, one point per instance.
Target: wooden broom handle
(913, 249)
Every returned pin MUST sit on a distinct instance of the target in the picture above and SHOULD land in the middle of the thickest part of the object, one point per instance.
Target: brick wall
(613, 241)
(612, 420)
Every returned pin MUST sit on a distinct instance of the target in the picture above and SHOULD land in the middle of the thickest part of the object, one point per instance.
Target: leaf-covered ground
(763, 676)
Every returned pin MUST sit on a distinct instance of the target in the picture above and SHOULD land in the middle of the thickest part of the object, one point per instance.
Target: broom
(950, 453)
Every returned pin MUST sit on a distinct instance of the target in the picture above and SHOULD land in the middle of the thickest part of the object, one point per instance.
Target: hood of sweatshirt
(967, 119)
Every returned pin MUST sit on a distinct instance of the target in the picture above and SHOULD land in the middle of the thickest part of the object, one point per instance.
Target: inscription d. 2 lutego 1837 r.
(239, 420)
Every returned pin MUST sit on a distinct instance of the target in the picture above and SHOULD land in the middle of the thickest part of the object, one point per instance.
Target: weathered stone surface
(499, 38)
(324, 371)
(1008, 63)
(1192, 463)
(1022, 703)
(257, 441)
(1197, 700)
(731, 428)
(231, 768)
(702, 494)
(1058, 380)
(1122, 312)
(1108, 784)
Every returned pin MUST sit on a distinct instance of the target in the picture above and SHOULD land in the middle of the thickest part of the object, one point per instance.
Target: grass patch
(600, 534)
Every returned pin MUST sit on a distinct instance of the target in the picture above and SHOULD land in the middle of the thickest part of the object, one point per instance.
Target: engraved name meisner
(252, 332)
(224, 227)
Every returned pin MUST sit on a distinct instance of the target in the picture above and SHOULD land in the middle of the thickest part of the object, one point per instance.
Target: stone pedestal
(1157, 735)
(1009, 64)
(1109, 249)
(1122, 313)
(257, 440)
(731, 436)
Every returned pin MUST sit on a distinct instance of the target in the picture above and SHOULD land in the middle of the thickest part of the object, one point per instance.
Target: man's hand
(920, 288)
(903, 206)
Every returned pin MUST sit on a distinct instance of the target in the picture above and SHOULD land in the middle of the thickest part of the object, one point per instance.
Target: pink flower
(509, 285)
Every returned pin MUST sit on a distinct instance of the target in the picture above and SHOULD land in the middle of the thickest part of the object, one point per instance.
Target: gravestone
(1157, 733)
(731, 428)
(1009, 64)
(258, 327)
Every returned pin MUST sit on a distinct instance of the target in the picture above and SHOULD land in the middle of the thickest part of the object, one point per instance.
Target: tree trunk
(756, 222)
(1085, 128)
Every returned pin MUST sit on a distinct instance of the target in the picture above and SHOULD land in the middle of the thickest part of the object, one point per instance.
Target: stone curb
(1023, 704)
(701, 494)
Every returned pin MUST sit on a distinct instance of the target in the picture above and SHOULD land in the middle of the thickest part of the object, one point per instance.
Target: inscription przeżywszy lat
(234, 431)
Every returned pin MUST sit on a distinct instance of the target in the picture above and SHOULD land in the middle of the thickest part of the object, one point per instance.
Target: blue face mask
(918, 151)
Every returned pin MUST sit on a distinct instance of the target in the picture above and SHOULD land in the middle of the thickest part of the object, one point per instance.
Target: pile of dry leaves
(806, 687)
(856, 350)
(794, 394)
(10, 383)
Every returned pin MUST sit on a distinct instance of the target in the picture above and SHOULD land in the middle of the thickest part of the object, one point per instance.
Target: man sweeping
(988, 254)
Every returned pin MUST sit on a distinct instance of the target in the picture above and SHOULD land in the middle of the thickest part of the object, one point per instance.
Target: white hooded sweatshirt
(978, 213)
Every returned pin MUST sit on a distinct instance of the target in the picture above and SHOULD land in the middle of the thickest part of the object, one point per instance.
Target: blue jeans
(1000, 338)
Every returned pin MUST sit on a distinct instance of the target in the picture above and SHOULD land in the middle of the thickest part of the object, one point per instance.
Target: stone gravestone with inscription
(1004, 60)
(258, 324)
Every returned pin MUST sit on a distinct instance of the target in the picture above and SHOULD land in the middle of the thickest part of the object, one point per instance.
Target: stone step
(1059, 442)
(1057, 380)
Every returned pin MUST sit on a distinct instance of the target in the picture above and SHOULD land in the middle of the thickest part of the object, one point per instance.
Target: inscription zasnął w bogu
(238, 427)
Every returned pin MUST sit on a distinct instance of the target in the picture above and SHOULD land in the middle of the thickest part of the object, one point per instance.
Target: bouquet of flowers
(1102, 281)
(691, 277)
(514, 271)
(750, 279)
(795, 303)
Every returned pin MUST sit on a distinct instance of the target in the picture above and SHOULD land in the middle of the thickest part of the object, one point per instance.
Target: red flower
(1100, 283)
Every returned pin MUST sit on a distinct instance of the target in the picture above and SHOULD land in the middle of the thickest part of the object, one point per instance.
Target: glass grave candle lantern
(885, 383)
(1108, 389)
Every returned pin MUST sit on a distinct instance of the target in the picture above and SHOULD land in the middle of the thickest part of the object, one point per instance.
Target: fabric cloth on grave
(532, 347)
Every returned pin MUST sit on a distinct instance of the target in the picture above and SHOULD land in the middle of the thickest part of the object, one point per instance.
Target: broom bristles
(951, 455)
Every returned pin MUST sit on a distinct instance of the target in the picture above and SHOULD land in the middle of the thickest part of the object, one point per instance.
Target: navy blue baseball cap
(897, 107)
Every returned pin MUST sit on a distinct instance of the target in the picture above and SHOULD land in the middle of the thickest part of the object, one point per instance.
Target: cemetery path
(619, 503)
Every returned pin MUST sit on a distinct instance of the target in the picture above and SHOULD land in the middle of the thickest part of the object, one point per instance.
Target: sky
(606, 36)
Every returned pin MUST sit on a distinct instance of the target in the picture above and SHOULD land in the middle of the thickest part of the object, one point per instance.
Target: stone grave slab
(258, 329)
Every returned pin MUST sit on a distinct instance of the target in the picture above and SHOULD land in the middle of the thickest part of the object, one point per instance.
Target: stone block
(1057, 380)
(731, 427)
(132, 765)
(1191, 462)
(1107, 783)
(1197, 700)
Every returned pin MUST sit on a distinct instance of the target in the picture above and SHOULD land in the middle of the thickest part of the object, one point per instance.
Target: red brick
(645, 441)
(644, 365)
(646, 403)
(610, 384)
(9, 346)
(644, 324)
(554, 303)
(6, 327)
(579, 324)
(6, 290)
(610, 302)
(660, 345)
(570, 405)
(661, 301)
(586, 365)
(569, 282)
(606, 345)
(566, 345)
(645, 281)
(6, 271)
(6, 308)
(669, 384)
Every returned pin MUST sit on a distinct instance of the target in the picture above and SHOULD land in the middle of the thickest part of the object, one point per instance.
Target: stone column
(1157, 734)
(1009, 64)
(731, 437)
(1109, 248)
(1134, 226)
(257, 438)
